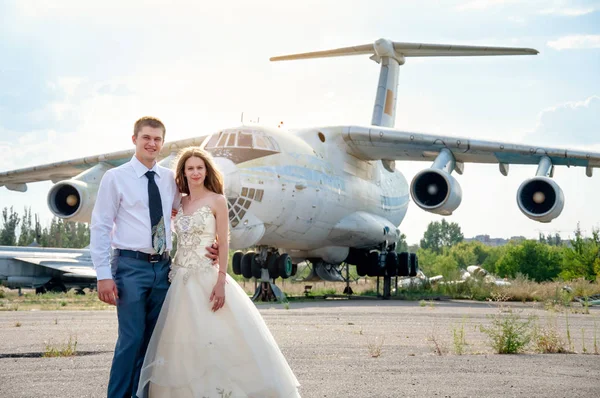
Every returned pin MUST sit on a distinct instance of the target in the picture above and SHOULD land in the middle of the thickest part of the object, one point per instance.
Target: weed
(422, 303)
(458, 336)
(438, 348)
(595, 337)
(17, 324)
(583, 349)
(286, 305)
(547, 340)
(568, 331)
(68, 350)
(508, 333)
(375, 347)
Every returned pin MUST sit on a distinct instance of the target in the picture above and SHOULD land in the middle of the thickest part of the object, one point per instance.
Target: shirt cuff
(103, 273)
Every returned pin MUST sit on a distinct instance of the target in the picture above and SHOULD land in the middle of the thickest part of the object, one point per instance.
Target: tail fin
(391, 55)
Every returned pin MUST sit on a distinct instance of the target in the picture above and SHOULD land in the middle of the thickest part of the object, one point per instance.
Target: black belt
(151, 258)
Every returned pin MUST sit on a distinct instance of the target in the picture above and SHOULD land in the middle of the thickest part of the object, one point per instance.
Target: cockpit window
(245, 140)
(255, 139)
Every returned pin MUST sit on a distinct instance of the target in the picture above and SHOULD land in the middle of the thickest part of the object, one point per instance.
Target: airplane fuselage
(307, 195)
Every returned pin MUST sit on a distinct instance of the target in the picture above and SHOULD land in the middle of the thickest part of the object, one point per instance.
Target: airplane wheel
(40, 290)
(403, 261)
(285, 265)
(414, 264)
(256, 267)
(272, 265)
(362, 268)
(236, 262)
(391, 263)
(373, 268)
(247, 264)
(294, 269)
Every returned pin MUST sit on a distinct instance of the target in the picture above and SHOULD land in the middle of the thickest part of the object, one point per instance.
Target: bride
(209, 340)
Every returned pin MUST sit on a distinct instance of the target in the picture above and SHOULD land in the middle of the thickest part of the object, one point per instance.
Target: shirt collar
(140, 169)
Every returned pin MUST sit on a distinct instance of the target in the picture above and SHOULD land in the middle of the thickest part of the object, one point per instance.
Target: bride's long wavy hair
(213, 180)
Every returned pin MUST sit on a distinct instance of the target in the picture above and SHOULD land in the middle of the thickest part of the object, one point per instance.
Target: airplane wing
(380, 143)
(71, 267)
(16, 180)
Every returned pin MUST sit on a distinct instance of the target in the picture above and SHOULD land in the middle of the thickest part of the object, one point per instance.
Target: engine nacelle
(74, 199)
(436, 191)
(540, 198)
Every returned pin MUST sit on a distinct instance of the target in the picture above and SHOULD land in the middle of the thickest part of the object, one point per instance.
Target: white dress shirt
(121, 215)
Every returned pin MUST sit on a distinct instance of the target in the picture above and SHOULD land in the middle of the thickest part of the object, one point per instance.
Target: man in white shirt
(132, 215)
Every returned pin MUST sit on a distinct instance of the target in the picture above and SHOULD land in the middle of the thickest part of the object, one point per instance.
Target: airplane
(46, 269)
(332, 194)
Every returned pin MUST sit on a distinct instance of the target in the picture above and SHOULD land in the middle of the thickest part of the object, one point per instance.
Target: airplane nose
(231, 176)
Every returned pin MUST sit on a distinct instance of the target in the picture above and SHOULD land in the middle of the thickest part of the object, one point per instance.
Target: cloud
(575, 42)
(569, 11)
(570, 123)
(483, 4)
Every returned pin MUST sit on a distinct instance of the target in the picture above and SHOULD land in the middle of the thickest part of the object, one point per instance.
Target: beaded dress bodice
(194, 233)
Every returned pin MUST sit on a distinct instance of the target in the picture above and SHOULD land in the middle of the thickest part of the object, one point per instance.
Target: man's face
(148, 143)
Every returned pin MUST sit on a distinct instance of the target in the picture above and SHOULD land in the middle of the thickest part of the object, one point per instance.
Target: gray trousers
(142, 288)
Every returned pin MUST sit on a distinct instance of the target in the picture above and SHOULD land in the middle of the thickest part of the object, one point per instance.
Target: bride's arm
(222, 217)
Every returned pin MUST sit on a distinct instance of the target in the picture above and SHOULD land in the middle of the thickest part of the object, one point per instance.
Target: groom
(132, 215)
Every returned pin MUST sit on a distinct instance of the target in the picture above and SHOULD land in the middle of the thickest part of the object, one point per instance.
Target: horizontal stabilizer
(412, 50)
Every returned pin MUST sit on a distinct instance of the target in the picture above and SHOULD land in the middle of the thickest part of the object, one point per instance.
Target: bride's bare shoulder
(218, 201)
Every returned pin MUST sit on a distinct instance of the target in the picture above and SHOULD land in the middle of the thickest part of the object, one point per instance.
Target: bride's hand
(218, 295)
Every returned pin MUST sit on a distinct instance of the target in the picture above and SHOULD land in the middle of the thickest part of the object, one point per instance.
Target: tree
(580, 260)
(27, 232)
(538, 261)
(441, 235)
(402, 246)
(10, 221)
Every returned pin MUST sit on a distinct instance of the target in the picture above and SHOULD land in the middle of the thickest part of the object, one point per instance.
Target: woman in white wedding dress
(209, 340)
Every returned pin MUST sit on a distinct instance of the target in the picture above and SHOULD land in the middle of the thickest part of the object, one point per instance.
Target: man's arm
(103, 217)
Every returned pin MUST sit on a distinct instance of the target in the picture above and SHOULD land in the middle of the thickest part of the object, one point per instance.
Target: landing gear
(266, 266)
(52, 286)
(385, 263)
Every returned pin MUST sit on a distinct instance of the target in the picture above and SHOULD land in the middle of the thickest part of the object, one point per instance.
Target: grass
(458, 339)
(375, 347)
(508, 332)
(50, 301)
(547, 340)
(65, 350)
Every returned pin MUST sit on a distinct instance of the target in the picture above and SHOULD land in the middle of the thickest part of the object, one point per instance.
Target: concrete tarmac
(336, 349)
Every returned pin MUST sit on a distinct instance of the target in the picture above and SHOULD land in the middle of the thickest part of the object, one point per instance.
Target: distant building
(486, 240)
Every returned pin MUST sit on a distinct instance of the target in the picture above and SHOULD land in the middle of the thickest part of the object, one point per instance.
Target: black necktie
(156, 215)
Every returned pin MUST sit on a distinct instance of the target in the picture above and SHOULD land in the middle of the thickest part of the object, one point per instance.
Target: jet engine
(74, 199)
(436, 191)
(540, 198)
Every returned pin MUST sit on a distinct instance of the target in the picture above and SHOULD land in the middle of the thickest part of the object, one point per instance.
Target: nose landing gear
(265, 266)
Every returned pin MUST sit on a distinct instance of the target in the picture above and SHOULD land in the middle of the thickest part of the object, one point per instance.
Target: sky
(74, 76)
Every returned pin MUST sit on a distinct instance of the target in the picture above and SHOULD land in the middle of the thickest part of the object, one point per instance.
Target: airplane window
(274, 145)
(259, 195)
(245, 140)
(261, 142)
(222, 140)
(213, 141)
(231, 140)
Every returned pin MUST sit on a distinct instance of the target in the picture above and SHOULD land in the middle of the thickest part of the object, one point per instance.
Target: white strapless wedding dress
(195, 352)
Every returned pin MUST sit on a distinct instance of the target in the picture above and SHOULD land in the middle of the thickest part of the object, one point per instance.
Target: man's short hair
(150, 122)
